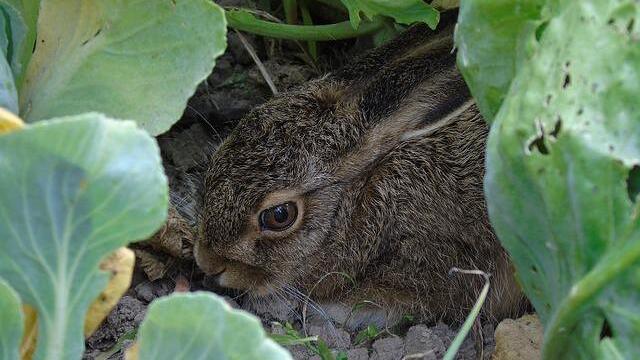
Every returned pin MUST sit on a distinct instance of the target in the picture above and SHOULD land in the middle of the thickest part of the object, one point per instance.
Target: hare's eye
(279, 217)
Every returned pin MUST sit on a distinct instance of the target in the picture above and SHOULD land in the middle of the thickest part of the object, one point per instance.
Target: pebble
(421, 340)
(358, 354)
(519, 339)
(144, 291)
(390, 348)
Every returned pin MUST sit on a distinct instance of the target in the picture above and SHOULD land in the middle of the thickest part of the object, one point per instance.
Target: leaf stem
(471, 318)
(306, 19)
(560, 326)
(245, 21)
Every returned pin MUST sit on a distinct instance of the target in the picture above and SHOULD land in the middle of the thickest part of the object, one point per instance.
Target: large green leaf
(491, 36)
(72, 190)
(136, 60)
(202, 326)
(11, 322)
(402, 11)
(559, 156)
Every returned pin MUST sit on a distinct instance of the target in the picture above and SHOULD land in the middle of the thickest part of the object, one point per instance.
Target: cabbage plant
(559, 83)
(78, 183)
(203, 326)
(74, 189)
(138, 60)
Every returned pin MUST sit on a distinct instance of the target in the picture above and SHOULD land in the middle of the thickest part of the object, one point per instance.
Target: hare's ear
(410, 96)
(417, 36)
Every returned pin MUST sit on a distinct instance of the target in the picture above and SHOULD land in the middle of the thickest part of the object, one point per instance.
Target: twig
(256, 59)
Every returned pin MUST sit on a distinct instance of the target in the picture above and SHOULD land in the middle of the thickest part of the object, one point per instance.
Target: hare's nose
(208, 260)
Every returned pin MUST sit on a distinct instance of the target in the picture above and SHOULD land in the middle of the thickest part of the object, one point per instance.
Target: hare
(363, 185)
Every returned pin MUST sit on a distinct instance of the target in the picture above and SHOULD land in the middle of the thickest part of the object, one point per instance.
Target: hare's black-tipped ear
(423, 73)
(417, 68)
(417, 91)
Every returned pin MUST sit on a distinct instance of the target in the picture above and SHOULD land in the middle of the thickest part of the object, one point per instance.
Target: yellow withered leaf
(9, 121)
(120, 265)
(28, 345)
(132, 352)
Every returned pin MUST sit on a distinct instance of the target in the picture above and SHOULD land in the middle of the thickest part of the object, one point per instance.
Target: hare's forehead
(254, 173)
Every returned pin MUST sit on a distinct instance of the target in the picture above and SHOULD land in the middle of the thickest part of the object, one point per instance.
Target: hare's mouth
(241, 278)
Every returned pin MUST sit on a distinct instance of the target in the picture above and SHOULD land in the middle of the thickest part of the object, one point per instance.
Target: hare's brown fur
(385, 159)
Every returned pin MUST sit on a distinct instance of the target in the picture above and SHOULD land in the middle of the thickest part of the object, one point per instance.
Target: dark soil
(236, 86)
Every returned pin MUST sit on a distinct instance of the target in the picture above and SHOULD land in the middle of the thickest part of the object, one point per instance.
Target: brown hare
(365, 184)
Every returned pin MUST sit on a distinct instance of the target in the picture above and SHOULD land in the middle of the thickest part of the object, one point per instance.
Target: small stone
(300, 352)
(276, 328)
(390, 348)
(519, 339)
(333, 337)
(144, 291)
(358, 354)
(444, 332)
(421, 340)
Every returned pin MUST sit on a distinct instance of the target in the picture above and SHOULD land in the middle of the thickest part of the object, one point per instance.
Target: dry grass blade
(259, 64)
(473, 315)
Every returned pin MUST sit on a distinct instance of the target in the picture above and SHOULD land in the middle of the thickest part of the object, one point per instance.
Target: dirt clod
(519, 339)
(185, 149)
(422, 343)
(390, 348)
(358, 354)
(126, 316)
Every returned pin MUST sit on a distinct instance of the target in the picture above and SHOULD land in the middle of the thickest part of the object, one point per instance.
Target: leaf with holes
(402, 11)
(202, 325)
(11, 322)
(137, 60)
(491, 37)
(72, 190)
(560, 162)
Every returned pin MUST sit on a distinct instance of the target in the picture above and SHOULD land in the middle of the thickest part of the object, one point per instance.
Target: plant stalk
(473, 315)
(245, 21)
(568, 313)
(306, 20)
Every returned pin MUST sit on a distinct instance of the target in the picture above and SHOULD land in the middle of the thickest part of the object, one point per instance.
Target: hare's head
(268, 188)
(274, 188)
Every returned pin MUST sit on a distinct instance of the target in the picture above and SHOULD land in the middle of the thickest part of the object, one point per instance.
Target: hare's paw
(172, 244)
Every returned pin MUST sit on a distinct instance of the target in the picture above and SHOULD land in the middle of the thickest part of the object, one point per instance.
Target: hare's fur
(385, 159)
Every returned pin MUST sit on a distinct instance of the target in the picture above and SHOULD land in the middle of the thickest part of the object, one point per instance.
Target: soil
(235, 87)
